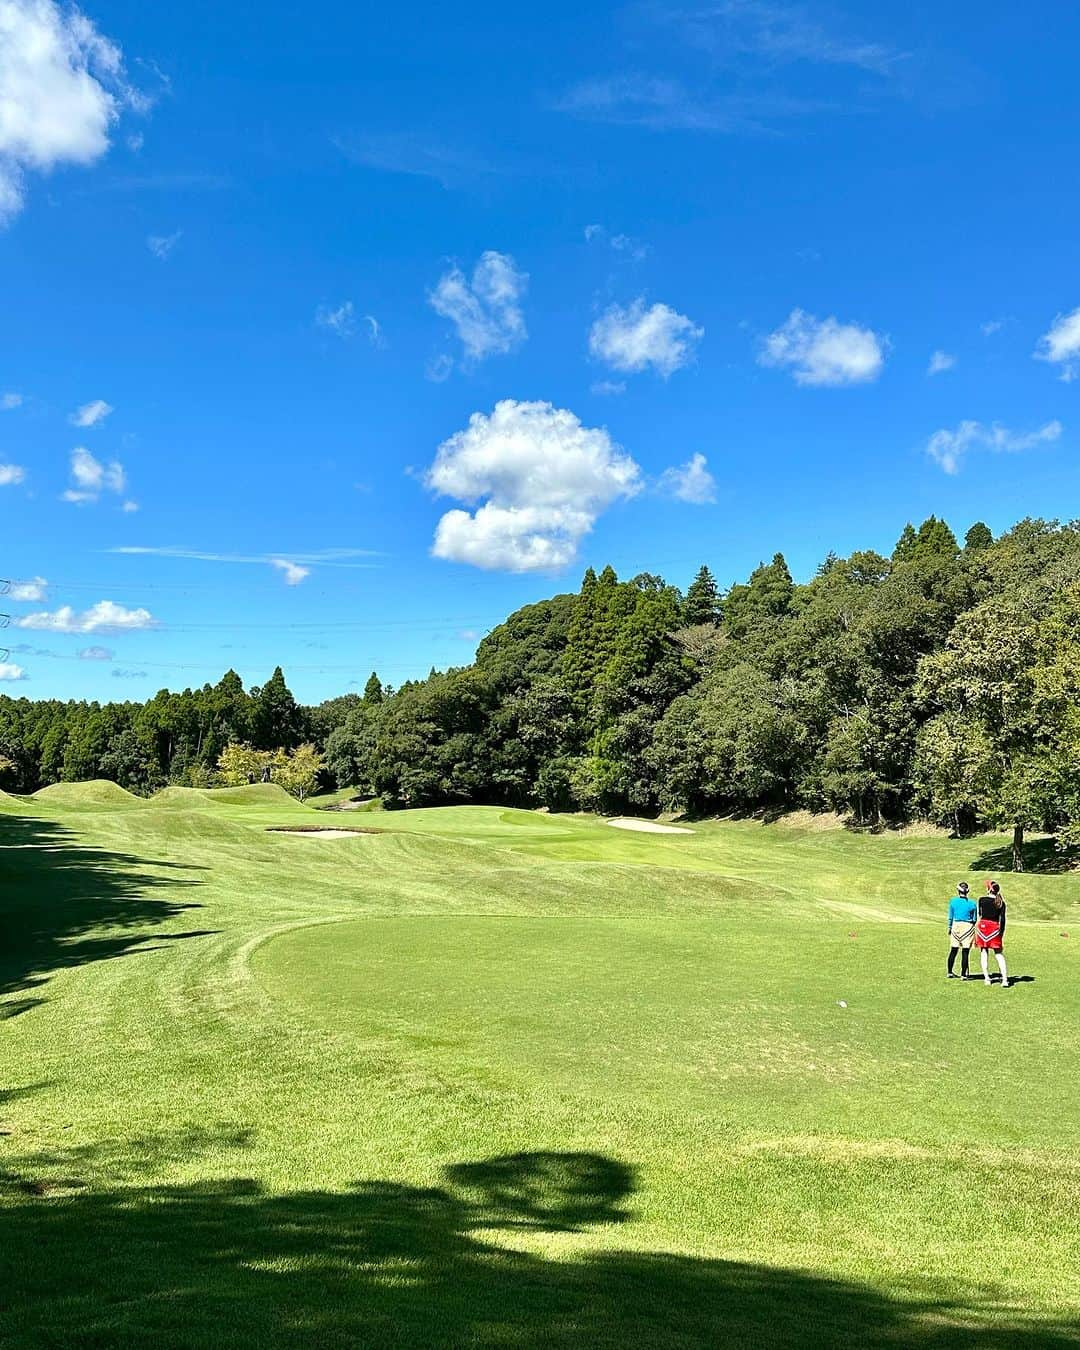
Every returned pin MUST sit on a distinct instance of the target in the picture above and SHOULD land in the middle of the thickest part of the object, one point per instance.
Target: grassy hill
(504, 1078)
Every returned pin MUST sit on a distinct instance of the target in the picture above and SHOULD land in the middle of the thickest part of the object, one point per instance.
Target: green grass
(506, 1079)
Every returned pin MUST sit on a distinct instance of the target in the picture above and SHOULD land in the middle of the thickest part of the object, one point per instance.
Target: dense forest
(942, 682)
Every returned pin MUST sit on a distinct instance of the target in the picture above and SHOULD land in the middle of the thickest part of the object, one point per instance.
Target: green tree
(702, 603)
(978, 538)
(276, 717)
(299, 772)
(373, 690)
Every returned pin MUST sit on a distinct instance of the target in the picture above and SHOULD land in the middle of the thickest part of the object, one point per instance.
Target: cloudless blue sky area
(909, 170)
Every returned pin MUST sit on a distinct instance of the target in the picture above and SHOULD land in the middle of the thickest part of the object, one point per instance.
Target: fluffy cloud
(162, 245)
(824, 351)
(62, 87)
(33, 588)
(690, 482)
(9, 401)
(104, 617)
(10, 474)
(948, 448)
(633, 338)
(90, 414)
(10, 671)
(1061, 344)
(294, 574)
(95, 654)
(940, 362)
(486, 310)
(90, 477)
(545, 478)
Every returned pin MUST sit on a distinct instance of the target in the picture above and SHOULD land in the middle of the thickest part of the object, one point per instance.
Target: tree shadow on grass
(1040, 855)
(59, 898)
(387, 1264)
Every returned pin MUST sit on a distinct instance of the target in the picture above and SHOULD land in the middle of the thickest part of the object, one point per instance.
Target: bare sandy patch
(317, 832)
(646, 826)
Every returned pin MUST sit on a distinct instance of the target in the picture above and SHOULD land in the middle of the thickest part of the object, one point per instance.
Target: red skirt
(988, 935)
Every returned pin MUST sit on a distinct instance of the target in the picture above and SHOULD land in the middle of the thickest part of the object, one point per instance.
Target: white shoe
(1004, 984)
(987, 980)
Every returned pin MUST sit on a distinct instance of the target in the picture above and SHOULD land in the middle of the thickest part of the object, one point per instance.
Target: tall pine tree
(702, 603)
(276, 718)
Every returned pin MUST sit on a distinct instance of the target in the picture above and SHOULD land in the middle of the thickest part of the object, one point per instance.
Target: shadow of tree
(386, 1264)
(1040, 855)
(59, 899)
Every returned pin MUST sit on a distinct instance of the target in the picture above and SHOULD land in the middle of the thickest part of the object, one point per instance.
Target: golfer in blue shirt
(963, 917)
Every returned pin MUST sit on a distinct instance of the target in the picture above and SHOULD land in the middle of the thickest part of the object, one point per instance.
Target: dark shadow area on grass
(1042, 856)
(387, 1264)
(55, 891)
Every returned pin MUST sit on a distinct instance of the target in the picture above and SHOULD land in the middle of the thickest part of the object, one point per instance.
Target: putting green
(835, 1033)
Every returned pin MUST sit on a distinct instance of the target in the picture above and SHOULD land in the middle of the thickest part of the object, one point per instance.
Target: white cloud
(326, 557)
(545, 477)
(948, 448)
(690, 482)
(90, 414)
(104, 617)
(10, 671)
(940, 362)
(486, 310)
(339, 320)
(9, 401)
(633, 338)
(1061, 344)
(34, 588)
(991, 326)
(439, 368)
(96, 654)
(129, 507)
(162, 245)
(10, 474)
(607, 388)
(62, 86)
(824, 352)
(294, 574)
(90, 477)
(621, 243)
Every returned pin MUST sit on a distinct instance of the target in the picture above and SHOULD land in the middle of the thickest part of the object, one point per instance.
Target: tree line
(941, 682)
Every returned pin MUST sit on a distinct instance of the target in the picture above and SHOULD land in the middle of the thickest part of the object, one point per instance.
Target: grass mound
(252, 794)
(98, 792)
(180, 796)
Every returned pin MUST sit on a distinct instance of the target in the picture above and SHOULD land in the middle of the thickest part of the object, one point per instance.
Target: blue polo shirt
(962, 909)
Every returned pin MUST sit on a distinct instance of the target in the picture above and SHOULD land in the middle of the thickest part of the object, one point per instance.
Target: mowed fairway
(499, 1078)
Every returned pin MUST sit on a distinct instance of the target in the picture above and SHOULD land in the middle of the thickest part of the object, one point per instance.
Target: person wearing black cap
(963, 914)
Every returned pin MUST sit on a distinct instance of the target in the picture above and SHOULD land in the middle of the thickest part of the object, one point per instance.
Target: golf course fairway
(475, 1076)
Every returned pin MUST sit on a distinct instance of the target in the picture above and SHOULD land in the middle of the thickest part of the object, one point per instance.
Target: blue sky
(329, 338)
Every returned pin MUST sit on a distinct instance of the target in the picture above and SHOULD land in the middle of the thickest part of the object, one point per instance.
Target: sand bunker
(317, 832)
(646, 826)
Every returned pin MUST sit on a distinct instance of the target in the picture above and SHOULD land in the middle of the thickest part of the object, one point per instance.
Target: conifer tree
(276, 718)
(702, 603)
(978, 538)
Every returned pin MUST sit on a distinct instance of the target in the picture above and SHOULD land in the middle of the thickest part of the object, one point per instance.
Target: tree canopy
(941, 682)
